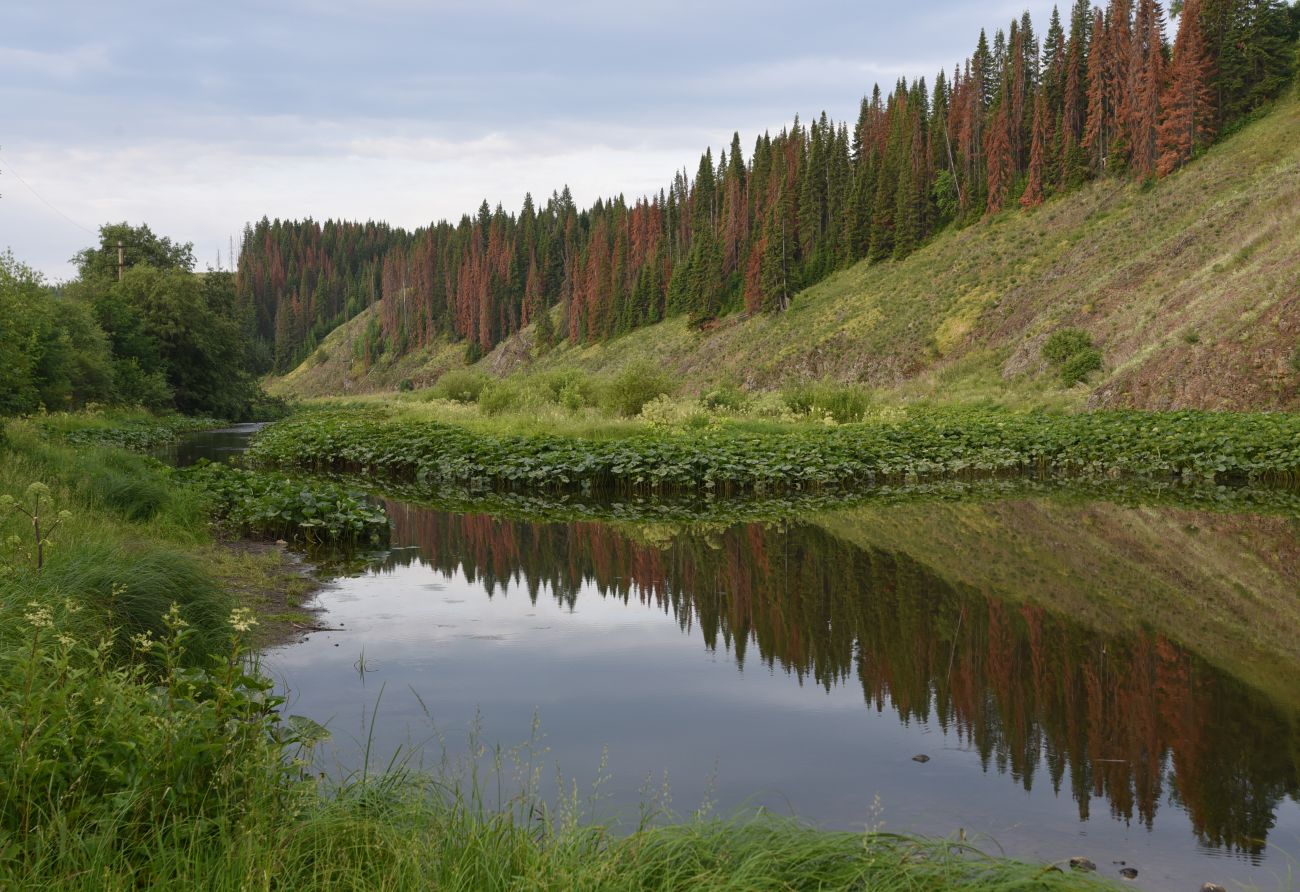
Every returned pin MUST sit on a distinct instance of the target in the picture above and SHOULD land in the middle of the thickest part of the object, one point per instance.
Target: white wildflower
(242, 619)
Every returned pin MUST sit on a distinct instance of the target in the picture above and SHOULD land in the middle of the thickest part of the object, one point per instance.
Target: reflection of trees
(1120, 718)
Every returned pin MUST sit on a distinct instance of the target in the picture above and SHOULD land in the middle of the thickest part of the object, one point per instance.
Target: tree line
(146, 331)
(1102, 93)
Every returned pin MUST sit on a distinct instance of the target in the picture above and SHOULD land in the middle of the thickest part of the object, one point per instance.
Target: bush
(1080, 366)
(635, 386)
(664, 411)
(570, 388)
(1073, 354)
(844, 403)
(499, 397)
(461, 385)
(728, 397)
(1064, 344)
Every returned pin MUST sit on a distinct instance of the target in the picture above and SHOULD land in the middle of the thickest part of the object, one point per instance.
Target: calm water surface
(801, 665)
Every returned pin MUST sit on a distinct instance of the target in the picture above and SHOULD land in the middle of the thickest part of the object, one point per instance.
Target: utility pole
(121, 259)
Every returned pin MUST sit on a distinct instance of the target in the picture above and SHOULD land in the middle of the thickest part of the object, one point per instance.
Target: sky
(199, 118)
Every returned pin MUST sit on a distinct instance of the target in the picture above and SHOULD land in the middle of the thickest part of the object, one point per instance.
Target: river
(1050, 674)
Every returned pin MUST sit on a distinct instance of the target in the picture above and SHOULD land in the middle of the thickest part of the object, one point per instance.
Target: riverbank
(139, 747)
(720, 453)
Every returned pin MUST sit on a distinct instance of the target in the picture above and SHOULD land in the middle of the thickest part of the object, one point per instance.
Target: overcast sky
(199, 118)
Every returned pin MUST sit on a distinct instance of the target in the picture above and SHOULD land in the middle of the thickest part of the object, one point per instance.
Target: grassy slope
(1191, 288)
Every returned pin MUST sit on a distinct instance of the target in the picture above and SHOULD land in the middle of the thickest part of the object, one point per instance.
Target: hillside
(1190, 288)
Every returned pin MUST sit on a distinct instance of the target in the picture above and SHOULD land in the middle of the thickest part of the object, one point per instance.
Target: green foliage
(161, 338)
(570, 388)
(844, 403)
(1065, 343)
(500, 396)
(1072, 353)
(52, 354)
(139, 431)
(36, 505)
(275, 506)
(140, 247)
(1079, 366)
(728, 397)
(121, 483)
(110, 737)
(637, 384)
(460, 385)
(920, 443)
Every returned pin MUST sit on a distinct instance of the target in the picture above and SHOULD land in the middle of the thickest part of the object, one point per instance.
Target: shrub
(570, 388)
(728, 397)
(461, 385)
(844, 403)
(1064, 344)
(1295, 364)
(1080, 366)
(498, 397)
(664, 411)
(635, 386)
(1073, 354)
(406, 385)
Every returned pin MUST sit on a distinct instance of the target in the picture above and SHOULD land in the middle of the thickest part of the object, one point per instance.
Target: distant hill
(1189, 288)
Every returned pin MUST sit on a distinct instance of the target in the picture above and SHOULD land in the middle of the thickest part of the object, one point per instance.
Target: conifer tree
(1033, 194)
(1188, 101)
(1001, 164)
(1147, 76)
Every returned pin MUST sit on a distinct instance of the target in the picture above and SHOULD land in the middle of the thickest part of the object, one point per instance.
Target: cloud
(59, 65)
(408, 111)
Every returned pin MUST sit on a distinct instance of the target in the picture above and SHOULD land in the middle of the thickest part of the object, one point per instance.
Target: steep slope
(1190, 288)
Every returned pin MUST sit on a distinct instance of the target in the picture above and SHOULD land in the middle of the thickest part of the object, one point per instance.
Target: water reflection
(1130, 722)
(220, 445)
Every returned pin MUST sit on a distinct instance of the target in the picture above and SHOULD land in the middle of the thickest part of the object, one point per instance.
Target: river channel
(1054, 675)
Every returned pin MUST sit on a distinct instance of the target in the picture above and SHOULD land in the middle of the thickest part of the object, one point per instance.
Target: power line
(10, 166)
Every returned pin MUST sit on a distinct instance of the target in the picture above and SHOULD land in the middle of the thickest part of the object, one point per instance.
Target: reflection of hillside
(1132, 720)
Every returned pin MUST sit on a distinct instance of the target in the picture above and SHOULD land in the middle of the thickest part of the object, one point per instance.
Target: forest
(1104, 92)
(143, 330)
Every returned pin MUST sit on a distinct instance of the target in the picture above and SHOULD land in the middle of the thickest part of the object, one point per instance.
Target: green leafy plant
(1073, 355)
(628, 392)
(273, 505)
(1079, 366)
(1063, 344)
(459, 385)
(37, 505)
(843, 403)
(923, 444)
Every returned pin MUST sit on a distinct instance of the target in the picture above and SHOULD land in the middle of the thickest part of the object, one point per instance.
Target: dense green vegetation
(920, 443)
(141, 747)
(149, 332)
(137, 430)
(272, 505)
